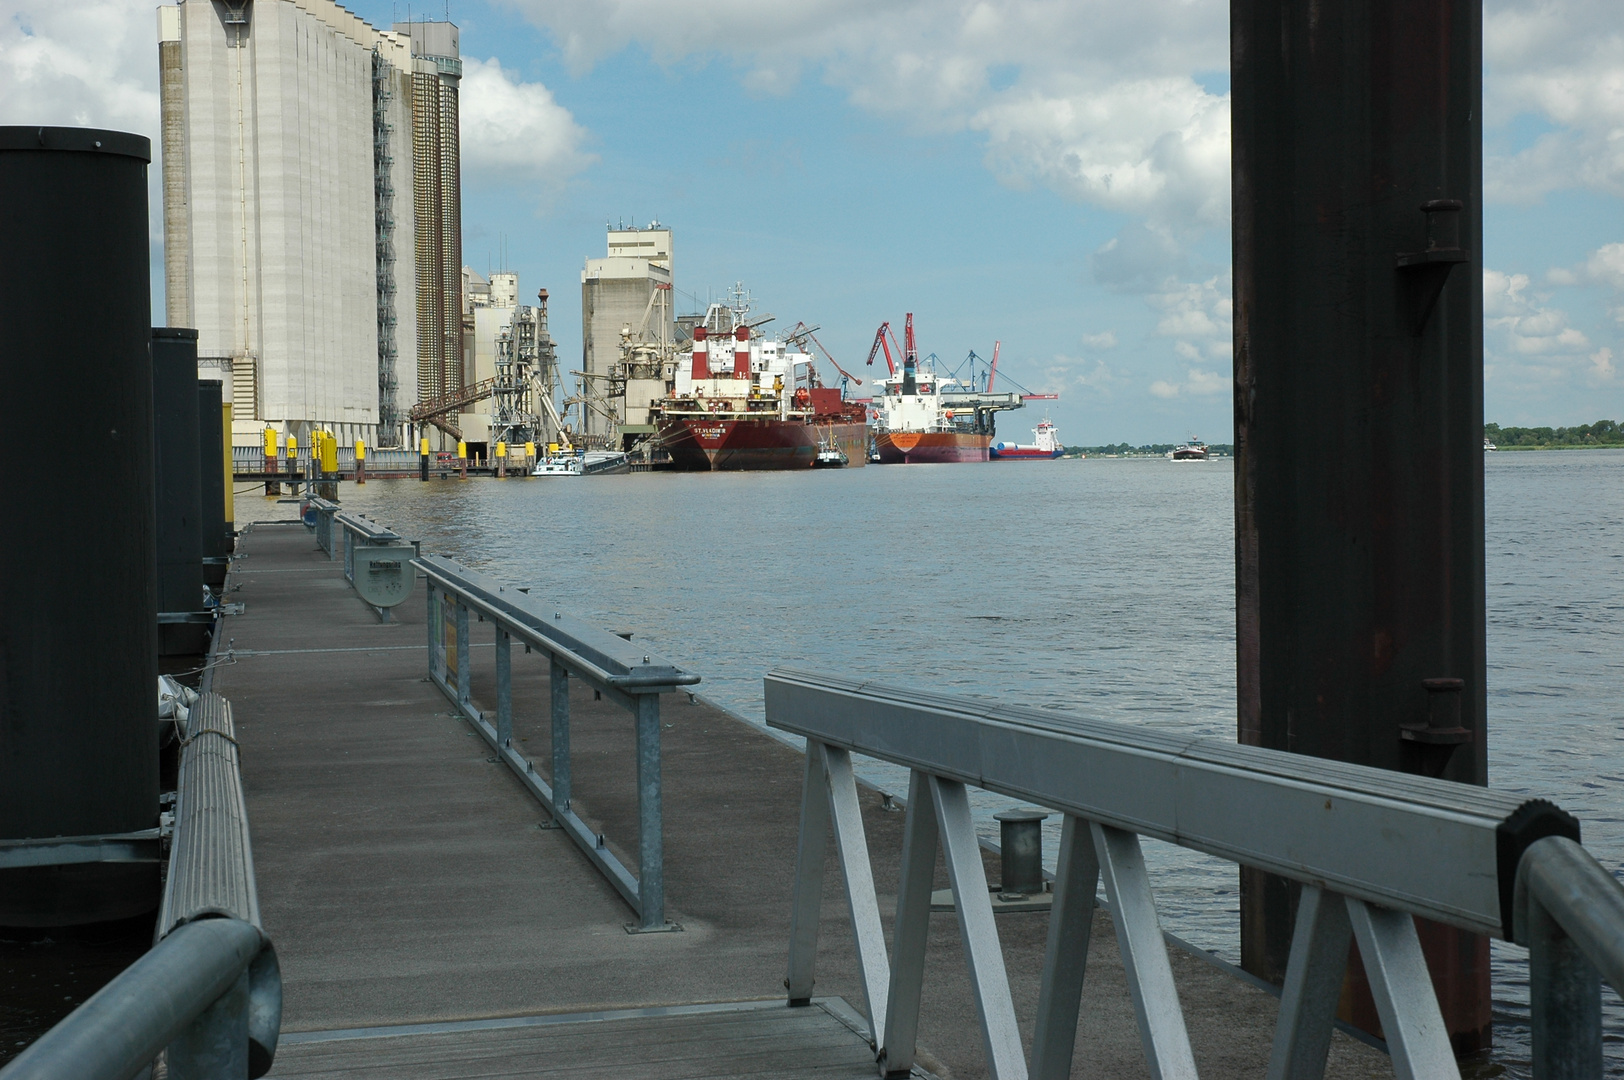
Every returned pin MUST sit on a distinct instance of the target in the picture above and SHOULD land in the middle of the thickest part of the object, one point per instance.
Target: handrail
(210, 990)
(153, 1004)
(1370, 847)
(211, 865)
(616, 669)
(594, 654)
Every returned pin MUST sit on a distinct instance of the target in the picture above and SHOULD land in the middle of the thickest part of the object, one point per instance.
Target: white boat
(1194, 450)
(583, 463)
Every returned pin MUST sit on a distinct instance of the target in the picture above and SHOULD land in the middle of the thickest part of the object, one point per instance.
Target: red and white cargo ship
(1046, 445)
(753, 403)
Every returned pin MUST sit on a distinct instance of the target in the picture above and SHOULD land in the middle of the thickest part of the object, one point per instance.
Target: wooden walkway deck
(735, 1039)
(430, 925)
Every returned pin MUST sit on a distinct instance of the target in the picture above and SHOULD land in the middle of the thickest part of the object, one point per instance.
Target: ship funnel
(910, 381)
(741, 352)
(701, 355)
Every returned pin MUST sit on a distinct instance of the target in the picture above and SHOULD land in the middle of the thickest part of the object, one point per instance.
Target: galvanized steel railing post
(463, 664)
(650, 838)
(560, 687)
(215, 1045)
(432, 602)
(1564, 998)
(504, 687)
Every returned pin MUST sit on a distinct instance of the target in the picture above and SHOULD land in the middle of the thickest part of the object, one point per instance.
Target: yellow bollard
(293, 457)
(501, 460)
(462, 459)
(360, 461)
(272, 486)
(529, 456)
(423, 458)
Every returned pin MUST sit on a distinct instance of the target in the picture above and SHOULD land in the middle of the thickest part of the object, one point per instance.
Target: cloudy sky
(1048, 173)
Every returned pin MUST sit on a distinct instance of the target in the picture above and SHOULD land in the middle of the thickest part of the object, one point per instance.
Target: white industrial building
(289, 170)
(615, 299)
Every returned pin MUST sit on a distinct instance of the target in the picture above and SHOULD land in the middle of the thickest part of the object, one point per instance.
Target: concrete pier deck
(430, 924)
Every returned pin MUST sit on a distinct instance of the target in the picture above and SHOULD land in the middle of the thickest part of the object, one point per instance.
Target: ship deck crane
(803, 332)
(880, 336)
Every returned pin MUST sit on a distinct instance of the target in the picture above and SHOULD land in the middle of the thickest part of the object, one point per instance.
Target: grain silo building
(291, 178)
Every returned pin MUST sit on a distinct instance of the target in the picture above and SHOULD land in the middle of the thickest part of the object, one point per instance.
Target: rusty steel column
(1357, 176)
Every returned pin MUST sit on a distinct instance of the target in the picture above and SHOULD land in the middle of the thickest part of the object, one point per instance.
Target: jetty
(429, 922)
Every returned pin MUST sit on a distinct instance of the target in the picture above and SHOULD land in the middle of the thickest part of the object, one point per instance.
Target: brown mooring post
(1357, 176)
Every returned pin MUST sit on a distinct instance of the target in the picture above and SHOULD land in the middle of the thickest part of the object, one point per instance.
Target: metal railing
(209, 993)
(377, 562)
(1370, 848)
(323, 510)
(619, 671)
(250, 461)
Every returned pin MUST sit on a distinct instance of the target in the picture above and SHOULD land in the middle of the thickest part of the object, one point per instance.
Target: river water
(1104, 587)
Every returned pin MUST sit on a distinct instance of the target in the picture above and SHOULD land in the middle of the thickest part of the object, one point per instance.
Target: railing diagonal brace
(989, 981)
(852, 846)
(911, 931)
(1065, 958)
(1144, 955)
(1308, 1000)
(1411, 1020)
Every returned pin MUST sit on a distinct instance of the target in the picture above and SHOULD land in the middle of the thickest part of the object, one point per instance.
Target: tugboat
(1046, 446)
(1193, 450)
(830, 456)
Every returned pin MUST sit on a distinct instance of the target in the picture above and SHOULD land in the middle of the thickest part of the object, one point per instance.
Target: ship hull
(1011, 452)
(728, 444)
(930, 447)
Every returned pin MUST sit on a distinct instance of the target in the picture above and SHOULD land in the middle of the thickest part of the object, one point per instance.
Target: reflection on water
(1100, 587)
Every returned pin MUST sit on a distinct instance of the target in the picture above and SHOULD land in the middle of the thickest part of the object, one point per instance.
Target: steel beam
(1412, 1023)
(1065, 956)
(989, 981)
(1144, 955)
(851, 844)
(1308, 999)
(810, 851)
(910, 930)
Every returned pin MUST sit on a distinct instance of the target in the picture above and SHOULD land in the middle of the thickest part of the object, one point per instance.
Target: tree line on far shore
(1601, 433)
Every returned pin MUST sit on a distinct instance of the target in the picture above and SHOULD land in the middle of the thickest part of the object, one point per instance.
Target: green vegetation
(1148, 450)
(1601, 433)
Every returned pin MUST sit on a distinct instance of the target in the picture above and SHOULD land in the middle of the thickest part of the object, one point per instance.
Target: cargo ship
(1046, 446)
(917, 423)
(757, 406)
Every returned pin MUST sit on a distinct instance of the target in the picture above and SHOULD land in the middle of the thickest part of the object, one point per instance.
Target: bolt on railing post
(504, 688)
(215, 1045)
(560, 685)
(650, 840)
(1564, 998)
(463, 658)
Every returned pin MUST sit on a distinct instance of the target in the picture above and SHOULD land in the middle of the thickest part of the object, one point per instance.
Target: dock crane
(803, 333)
(879, 342)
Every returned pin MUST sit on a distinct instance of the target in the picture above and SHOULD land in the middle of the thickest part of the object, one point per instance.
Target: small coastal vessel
(1046, 446)
(568, 462)
(1487, 445)
(1193, 450)
(830, 456)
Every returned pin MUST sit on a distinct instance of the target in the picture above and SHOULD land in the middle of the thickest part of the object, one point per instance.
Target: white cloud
(1093, 98)
(83, 65)
(1601, 363)
(1196, 309)
(515, 132)
(1197, 382)
(1104, 340)
(1560, 62)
